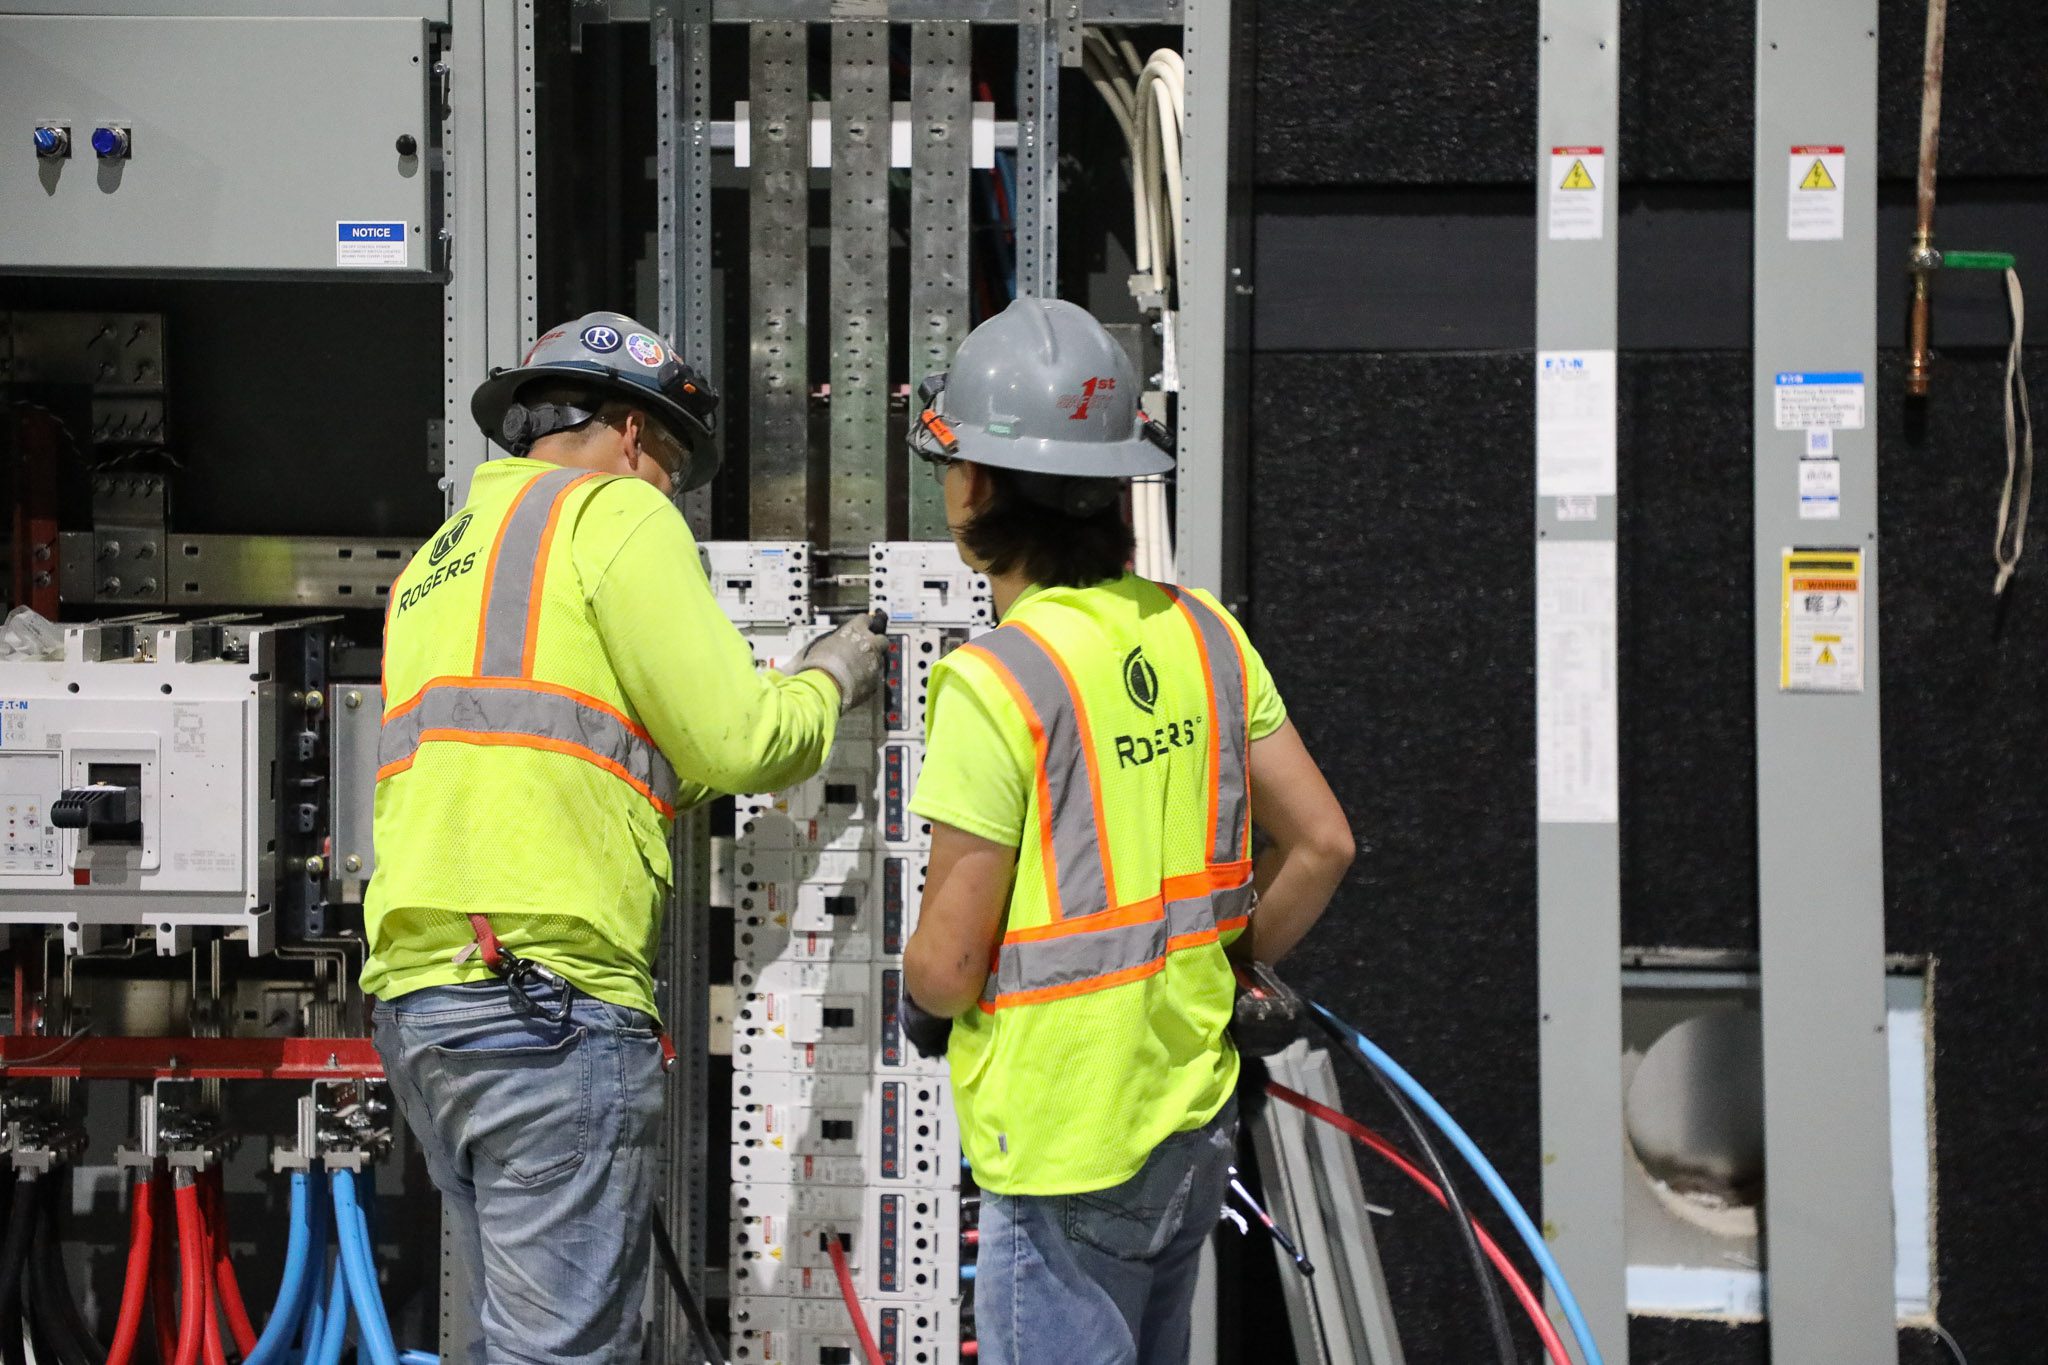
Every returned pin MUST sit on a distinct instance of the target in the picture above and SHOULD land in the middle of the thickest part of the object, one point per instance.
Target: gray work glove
(851, 656)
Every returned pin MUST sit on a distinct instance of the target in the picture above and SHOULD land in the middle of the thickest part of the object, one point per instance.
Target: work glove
(851, 656)
(928, 1033)
(1267, 1015)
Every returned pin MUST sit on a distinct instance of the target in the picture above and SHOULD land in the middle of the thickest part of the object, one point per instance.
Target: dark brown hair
(1064, 533)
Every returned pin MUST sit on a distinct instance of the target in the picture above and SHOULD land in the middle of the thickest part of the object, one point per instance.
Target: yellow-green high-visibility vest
(1101, 1030)
(514, 776)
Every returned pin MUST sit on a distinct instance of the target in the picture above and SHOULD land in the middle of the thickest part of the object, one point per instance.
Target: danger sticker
(1814, 204)
(1578, 194)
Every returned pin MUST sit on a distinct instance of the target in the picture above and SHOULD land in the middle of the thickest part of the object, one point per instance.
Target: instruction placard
(1820, 647)
(1813, 211)
(1820, 490)
(1809, 400)
(1574, 424)
(1578, 194)
(366, 245)
(1577, 729)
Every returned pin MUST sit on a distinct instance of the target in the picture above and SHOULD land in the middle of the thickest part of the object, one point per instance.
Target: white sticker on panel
(1814, 202)
(1577, 725)
(1820, 490)
(1574, 424)
(1819, 400)
(1578, 194)
(370, 245)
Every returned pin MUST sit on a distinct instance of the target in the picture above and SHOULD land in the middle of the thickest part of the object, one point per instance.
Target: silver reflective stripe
(512, 571)
(1082, 883)
(1232, 729)
(532, 714)
(1085, 954)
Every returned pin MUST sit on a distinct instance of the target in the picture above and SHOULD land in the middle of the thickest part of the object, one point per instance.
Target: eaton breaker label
(1810, 399)
(370, 245)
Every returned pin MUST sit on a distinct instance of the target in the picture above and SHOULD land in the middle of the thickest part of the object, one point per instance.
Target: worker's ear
(980, 486)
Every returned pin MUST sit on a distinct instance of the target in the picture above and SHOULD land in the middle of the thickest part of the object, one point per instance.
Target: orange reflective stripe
(535, 596)
(1139, 912)
(558, 746)
(1087, 737)
(521, 685)
(1209, 690)
(1048, 855)
(1122, 976)
(1221, 877)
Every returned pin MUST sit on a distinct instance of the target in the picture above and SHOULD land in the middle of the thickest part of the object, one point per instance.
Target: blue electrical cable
(312, 1312)
(418, 1358)
(334, 1320)
(290, 1306)
(373, 1332)
(1488, 1176)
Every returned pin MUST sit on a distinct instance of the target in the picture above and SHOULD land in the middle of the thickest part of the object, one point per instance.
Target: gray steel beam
(1038, 149)
(859, 477)
(682, 104)
(779, 232)
(1578, 834)
(941, 146)
(866, 11)
(1820, 863)
(1212, 325)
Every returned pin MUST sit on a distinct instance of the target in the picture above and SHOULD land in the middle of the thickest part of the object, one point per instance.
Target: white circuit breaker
(840, 1128)
(157, 777)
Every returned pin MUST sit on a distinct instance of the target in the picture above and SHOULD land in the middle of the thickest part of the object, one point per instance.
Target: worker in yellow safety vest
(1093, 770)
(558, 684)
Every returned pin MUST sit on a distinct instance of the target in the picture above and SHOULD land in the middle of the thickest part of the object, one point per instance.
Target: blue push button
(111, 142)
(53, 141)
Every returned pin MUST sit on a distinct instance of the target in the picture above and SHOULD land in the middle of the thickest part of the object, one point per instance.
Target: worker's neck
(1007, 588)
(563, 448)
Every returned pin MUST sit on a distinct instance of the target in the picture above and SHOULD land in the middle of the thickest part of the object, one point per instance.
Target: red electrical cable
(872, 1352)
(135, 1287)
(194, 1306)
(163, 1276)
(227, 1289)
(1365, 1137)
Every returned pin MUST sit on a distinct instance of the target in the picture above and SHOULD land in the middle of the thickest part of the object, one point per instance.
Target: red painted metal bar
(231, 1059)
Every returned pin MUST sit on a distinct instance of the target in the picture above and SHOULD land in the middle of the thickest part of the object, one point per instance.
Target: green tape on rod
(1979, 260)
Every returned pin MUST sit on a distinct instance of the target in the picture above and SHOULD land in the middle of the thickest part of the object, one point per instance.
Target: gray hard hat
(615, 358)
(1041, 387)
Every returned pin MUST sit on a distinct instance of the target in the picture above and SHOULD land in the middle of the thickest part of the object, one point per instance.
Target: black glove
(1267, 1016)
(927, 1032)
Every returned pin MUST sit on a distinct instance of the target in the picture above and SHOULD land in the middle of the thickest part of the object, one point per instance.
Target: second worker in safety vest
(558, 683)
(1093, 770)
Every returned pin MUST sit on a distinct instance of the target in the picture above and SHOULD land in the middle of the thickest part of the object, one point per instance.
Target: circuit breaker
(840, 1128)
(165, 778)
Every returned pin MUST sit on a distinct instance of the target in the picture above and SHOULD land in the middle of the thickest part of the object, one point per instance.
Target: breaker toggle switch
(110, 141)
(101, 805)
(53, 141)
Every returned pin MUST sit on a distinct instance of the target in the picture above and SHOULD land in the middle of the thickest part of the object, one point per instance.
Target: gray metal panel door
(253, 141)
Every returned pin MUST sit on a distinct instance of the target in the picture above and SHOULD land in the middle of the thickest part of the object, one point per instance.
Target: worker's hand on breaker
(851, 656)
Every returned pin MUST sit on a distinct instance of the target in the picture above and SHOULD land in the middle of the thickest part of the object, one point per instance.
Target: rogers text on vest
(1134, 751)
(454, 569)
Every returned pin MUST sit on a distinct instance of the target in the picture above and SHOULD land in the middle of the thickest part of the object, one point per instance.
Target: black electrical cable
(64, 1324)
(1496, 1311)
(21, 1226)
(699, 1328)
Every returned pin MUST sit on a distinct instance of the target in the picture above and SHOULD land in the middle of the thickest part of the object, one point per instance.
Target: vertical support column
(940, 147)
(779, 229)
(1038, 149)
(1578, 834)
(682, 104)
(488, 155)
(860, 286)
(1828, 1218)
(1213, 322)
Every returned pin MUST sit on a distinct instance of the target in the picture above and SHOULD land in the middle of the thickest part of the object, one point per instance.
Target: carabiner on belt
(519, 973)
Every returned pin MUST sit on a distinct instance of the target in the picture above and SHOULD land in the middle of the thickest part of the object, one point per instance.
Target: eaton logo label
(373, 245)
(1821, 377)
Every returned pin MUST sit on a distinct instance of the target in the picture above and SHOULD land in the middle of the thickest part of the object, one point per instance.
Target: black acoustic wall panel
(1391, 574)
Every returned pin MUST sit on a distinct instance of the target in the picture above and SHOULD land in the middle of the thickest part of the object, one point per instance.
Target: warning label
(1821, 631)
(1814, 211)
(1578, 193)
(1809, 400)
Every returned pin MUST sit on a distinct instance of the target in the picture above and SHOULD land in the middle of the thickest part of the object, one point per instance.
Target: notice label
(1820, 490)
(1578, 194)
(1576, 717)
(1574, 424)
(1813, 211)
(1821, 632)
(1827, 399)
(373, 246)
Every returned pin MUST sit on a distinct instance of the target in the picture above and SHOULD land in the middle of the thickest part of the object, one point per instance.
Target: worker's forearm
(1295, 886)
(947, 990)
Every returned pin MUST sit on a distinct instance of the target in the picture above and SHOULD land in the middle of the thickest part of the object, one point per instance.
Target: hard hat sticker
(551, 336)
(644, 349)
(601, 338)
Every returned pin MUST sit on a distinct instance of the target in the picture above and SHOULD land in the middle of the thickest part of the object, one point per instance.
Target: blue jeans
(541, 1138)
(1105, 1278)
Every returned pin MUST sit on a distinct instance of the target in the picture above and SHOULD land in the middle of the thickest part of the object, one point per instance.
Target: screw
(352, 863)
(316, 867)
(314, 701)
(352, 700)
(111, 586)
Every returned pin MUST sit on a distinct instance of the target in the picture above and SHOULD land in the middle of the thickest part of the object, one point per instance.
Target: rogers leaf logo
(445, 543)
(1141, 680)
